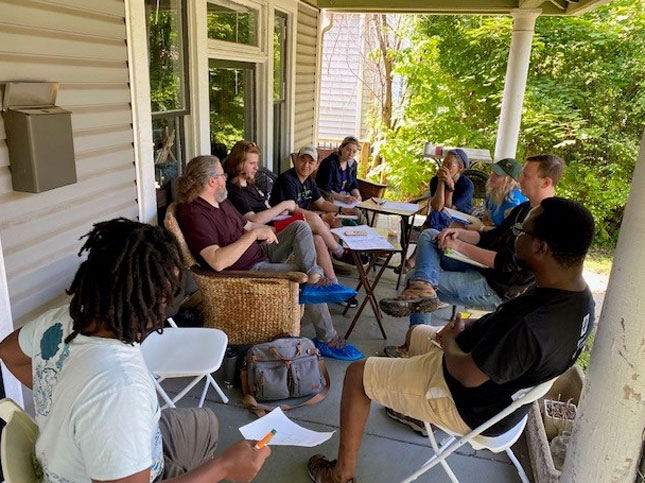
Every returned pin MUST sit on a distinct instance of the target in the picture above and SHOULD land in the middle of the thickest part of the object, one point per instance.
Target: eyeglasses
(516, 229)
(218, 175)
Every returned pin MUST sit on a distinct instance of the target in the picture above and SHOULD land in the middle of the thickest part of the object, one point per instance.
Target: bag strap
(260, 410)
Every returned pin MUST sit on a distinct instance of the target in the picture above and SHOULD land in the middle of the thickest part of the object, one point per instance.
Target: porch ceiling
(460, 7)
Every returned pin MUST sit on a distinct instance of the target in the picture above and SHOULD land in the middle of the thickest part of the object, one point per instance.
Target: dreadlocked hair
(133, 271)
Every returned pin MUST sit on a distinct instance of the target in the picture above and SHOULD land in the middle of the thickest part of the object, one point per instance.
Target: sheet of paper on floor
(288, 433)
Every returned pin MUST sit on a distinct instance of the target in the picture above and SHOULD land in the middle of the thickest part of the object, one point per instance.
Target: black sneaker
(395, 352)
(348, 259)
(353, 303)
(416, 425)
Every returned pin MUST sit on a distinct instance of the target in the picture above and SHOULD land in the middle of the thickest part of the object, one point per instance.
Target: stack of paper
(346, 205)
(362, 237)
(287, 433)
(393, 205)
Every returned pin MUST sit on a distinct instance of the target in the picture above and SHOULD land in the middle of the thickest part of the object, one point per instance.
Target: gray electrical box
(39, 137)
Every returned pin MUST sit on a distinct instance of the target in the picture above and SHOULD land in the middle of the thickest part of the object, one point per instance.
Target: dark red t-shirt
(204, 225)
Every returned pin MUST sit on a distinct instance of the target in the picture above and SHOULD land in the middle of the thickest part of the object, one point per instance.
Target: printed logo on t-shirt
(584, 335)
(304, 197)
(47, 367)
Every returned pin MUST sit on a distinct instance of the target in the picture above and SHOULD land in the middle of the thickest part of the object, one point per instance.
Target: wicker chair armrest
(293, 276)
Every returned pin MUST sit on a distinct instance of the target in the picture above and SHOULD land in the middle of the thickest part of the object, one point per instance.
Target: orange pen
(264, 441)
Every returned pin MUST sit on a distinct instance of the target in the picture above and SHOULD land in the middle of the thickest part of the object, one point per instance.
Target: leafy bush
(584, 101)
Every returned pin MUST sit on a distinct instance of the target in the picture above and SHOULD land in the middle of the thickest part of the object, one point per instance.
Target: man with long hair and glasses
(221, 238)
(463, 375)
(95, 401)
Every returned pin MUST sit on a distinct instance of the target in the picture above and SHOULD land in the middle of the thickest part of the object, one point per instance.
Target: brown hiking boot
(321, 470)
(418, 296)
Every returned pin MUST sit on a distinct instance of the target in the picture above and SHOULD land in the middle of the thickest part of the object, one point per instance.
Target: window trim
(239, 48)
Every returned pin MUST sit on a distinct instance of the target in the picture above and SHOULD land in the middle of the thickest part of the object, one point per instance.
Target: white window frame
(239, 49)
(201, 49)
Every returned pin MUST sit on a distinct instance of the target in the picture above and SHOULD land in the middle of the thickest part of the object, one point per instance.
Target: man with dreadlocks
(96, 407)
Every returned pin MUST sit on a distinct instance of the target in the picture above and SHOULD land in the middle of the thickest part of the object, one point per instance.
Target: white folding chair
(18, 444)
(185, 352)
(496, 444)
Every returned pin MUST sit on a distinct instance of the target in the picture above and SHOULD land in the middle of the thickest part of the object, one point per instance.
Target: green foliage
(584, 101)
(231, 26)
(227, 95)
(166, 66)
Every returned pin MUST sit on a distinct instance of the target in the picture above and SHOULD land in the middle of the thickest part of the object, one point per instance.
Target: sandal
(321, 470)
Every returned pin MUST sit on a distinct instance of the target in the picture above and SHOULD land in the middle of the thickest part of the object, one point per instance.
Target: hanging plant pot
(558, 416)
(567, 387)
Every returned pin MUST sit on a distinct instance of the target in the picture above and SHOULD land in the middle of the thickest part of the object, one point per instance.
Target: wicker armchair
(250, 307)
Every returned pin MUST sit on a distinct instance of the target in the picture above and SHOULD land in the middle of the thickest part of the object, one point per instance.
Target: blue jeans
(456, 282)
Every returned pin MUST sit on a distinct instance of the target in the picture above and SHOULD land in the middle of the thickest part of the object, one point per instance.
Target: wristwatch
(340, 210)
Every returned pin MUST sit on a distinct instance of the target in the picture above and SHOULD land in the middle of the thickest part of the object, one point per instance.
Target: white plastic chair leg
(162, 393)
(183, 392)
(218, 389)
(517, 465)
(204, 391)
(438, 458)
(438, 451)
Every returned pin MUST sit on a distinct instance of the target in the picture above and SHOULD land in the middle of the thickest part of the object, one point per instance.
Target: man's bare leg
(319, 227)
(354, 410)
(323, 259)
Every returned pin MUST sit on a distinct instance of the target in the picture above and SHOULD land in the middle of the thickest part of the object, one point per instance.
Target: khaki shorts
(189, 438)
(415, 386)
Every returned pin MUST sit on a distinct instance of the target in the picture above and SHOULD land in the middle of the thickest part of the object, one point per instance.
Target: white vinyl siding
(340, 85)
(82, 45)
(306, 76)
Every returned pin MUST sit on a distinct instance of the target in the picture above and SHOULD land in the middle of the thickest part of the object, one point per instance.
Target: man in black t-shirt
(497, 278)
(297, 184)
(465, 374)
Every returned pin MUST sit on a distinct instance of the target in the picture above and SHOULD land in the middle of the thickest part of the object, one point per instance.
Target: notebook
(461, 217)
(455, 255)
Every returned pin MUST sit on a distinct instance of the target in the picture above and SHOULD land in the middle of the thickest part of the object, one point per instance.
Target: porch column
(516, 72)
(608, 434)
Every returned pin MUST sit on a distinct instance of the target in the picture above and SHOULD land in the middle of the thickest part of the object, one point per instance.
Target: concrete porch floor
(390, 451)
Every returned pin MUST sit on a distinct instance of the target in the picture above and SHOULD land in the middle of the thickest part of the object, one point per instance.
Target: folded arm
(264, 217)
(220, 258)
(460, 364)
(18, 363)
